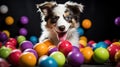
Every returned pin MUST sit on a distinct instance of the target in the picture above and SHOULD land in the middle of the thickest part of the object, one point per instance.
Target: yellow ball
(82, 42)
(83, 38)
(86, 23)
(27, 59)
(7, 32)
(9, 20)
(41, 49)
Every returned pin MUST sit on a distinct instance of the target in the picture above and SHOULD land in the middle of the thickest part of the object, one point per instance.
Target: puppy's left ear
(75, 7)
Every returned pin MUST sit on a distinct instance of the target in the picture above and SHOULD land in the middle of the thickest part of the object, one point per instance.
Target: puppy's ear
(75, 7)
(45, 8)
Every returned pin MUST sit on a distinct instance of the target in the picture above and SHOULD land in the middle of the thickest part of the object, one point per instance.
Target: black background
(102, 13)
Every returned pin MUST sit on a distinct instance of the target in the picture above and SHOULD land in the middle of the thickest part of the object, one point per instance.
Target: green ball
(59, 58)
(4, 52)
(21, 38)
(101, 55)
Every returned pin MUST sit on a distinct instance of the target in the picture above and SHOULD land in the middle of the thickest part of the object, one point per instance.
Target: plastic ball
(4, 63)
(7, 32)
(3, 37)
(117, 56)
(90, 43)
(117, 21)
(14, 56)
(21, 38)
(24, 20)
(3, 9)
(25, 45)
(108, 42)
(10, 45)
(82, 42)
(46, 61)
(83, 38)
(48, 42)
(101, 55)
(51, 50)
(4, 52)
(75, 58)
(12, 40)
(32, 51)
(23, 31)
(65, 47)
(86, 23)
(59, 58)
(88, 54)
(41, 49)
(0, 44)
(27, 59)
(80, 31)
(33, 39)
(9, 20)
(74, 48)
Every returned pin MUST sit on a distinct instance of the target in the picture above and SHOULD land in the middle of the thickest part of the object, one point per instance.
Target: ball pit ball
(21, 38)
(10, 46)
(108, 42)
(24, 20)
(12, 40)
(7, 32)
(3, 9)
(25, 45)
(32, 51)
(117, 21)
(41, 49)
(101, 55)
(0, 44)
(83, 42)
(33, 39)
(9, 20)
(65, 47)
(4, 52)
(3, 37)
(23, 31)
(59, 58)
(80, 31)
(51, 50)
(86, 23)
(117, 56)
(88, 54)
(14, 56)
(75, 58)
(4, 63)
(90, 43)
(74, 48)
(27, 59)
(46, 61)
(83, 38)
(48, 42)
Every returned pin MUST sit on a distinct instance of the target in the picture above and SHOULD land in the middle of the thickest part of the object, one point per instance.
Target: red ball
(4, 63)
(112, 51)
(65, 47)
(9, 43)
(12, 40)
(10, 46)
(0, 44)
(14, 56)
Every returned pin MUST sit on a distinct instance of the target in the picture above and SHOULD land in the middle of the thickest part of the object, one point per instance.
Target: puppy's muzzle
(61, 28)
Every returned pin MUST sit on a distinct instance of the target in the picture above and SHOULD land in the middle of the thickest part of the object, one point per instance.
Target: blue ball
(46, 61)
(80, 31)
(33, 39)
(100, 44)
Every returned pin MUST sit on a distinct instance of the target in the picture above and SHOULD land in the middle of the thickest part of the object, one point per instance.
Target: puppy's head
(60, 17)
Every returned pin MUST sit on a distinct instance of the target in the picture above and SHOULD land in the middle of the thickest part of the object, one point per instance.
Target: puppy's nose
(61, 28)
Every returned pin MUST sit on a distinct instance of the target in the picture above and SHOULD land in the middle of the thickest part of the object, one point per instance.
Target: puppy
(60, 21)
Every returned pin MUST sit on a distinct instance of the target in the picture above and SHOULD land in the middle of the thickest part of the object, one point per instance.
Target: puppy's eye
(54, 19)
(68, 18)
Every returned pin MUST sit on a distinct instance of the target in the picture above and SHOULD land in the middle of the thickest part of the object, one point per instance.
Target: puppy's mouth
(61, 35)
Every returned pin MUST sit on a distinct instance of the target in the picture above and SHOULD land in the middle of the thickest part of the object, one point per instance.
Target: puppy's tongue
(62, 36)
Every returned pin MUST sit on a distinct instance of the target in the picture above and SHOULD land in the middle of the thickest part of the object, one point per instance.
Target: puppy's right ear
(45, 8)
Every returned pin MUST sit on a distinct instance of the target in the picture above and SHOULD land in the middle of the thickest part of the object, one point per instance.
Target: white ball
(3, 9)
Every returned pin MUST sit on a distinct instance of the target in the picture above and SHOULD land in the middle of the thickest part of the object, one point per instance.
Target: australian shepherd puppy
(60, 21)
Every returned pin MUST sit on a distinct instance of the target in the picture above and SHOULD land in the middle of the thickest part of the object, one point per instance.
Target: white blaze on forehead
(59, 11)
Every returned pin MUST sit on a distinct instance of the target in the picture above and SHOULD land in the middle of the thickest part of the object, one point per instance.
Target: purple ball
(32, 51)
(24, 20)
(75, 48)
(3, 36)
(75, 58)
(23, 31)
(25, 45)
(117, 21)
(52, 50)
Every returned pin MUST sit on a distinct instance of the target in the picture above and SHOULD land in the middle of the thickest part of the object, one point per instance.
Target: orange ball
(86, 23)
(117, 56)
(87, 53)
(41, 49)
(27, 59)
(9, 20)
(83, 38)
(47, 42)
(83, 42)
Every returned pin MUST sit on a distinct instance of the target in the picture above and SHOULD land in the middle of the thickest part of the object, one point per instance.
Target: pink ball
(3, 63)
(14, 56)
(65, 47)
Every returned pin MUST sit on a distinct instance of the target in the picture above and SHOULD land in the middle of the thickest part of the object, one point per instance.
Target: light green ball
(59, 58)
(101, 55)
(21, 39)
